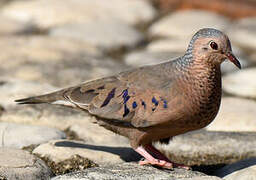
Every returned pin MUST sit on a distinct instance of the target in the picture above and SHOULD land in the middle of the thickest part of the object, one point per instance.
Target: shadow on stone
(126, 154)
(228, 169)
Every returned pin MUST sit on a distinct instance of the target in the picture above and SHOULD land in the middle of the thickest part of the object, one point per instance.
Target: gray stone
(12, 89)
(231, 168)
(10, 26)
(90, 134)
(129, 171)
(60, 150)
(235, 114)
(18, 135)
(243, 34)
(244, 174)
(55, 116)
(106, 35)
(210, 147)
(46, 59)
(50, 13)
(140, 58)
(183, 24)
(241, 83)
(168, 45)
(19, 164)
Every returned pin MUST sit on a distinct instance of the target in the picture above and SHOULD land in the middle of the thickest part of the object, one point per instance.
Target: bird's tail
(46, 98)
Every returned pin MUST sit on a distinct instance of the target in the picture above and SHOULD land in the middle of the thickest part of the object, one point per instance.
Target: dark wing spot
(126, 97)
(155, 101)
(164, 102)
(134, 105)
(111, 94)
(143, 104)
(126, 110)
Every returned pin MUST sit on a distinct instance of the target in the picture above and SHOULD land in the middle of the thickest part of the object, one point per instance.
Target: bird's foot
(157, 162)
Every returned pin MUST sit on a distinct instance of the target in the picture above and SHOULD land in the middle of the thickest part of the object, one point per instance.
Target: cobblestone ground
(49, 44)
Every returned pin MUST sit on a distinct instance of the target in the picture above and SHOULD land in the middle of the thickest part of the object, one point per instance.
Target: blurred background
(46, 45)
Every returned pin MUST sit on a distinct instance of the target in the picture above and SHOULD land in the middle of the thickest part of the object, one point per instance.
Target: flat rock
(13, 88)
(141, 58)
(245, 174)
(210, 147)
(168, 45)
(241, 83)
(131, 12)
(60, 150)
(183, 24)
(105, 35)
(129, 171)
(45, 59)
(19, 164)
(18, 135)
(55, 116)
(243, 34)
(235, 114)
(97, 135)
(11, 26)
(39, 48)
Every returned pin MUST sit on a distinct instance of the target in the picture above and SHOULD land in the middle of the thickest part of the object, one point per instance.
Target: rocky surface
(60, 150)
(245, 174)
(19, 164)
(37, 12)
(18, 135)
(235, 114)
(183, 24)
(241, 83)
(234, 167)
(131, 171)
(49, 44)
(210, 147)
(105, 35)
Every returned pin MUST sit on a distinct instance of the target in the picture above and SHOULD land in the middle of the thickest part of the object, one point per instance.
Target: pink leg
(149, 159)
(161, 156)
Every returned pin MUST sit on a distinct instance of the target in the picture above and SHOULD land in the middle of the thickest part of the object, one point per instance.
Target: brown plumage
(154, 103)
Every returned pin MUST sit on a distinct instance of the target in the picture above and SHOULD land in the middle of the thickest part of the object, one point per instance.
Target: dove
(155, 102)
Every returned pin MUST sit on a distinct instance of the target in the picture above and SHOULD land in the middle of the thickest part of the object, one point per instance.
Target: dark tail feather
(47, 98)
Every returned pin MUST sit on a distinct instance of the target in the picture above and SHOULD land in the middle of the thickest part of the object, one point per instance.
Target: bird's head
(212, 46)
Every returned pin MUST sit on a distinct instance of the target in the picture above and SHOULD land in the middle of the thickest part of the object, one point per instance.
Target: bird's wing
(140, 97)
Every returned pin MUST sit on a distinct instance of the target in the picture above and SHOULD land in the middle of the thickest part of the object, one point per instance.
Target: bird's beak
(233, 59)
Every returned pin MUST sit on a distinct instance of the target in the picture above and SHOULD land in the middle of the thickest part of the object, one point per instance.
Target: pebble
(244, 174)
(183, 24)
(18, 135)
(243, 34)
(18, 164)
(52, 13)
(60, 150)
(140, 58)
(210, 147)
(235, 114)
(130, 171)
(105, 35)
(241, 83)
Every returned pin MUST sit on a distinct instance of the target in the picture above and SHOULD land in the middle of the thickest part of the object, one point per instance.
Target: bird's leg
(149, 159)
(161, 156)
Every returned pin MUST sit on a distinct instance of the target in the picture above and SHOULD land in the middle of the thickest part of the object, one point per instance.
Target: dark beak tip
(234, 60)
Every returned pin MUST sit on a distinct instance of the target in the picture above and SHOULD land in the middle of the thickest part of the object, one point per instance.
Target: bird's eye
(214, 45)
